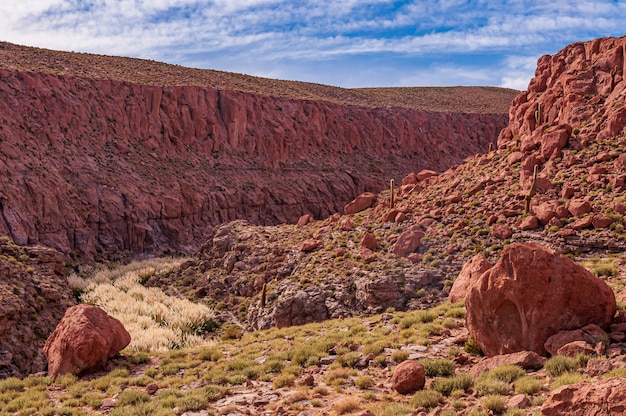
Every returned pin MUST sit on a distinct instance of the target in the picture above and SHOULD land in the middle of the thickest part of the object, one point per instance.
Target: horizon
(349, 44)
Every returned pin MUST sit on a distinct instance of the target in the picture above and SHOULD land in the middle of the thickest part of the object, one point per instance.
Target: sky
(346, 43)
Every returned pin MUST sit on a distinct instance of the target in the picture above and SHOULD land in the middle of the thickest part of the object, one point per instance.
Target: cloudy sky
(348, 43)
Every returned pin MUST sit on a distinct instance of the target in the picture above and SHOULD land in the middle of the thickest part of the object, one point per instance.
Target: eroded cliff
(103, 166)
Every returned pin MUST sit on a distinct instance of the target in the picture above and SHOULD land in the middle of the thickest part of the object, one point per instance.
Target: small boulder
(310, 245)
(534, 292)
(519, 401)
(408, 377)
(426, 174)
(528, 360)
(83, 341)
(605, 397)
(408, 241)
(369, 241)
(501, 231)
(578, 207)
(529, 223)
(361, 202)
(305, 219)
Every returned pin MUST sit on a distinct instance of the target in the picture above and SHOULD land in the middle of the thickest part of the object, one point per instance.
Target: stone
(408, 377)
(360, 203)
(85, 339)
(578, 207)
(369, 241)
(152, 388)
(501, 231)
(310, 245)
(426, 174)
(346, 225)
(519, 401)
(597, 367)
(471, 271)
(408, 241)
(528, 360)
(606, 397)
(529, 223)
(530, 294)
(601, 221)
(575, 348)
(304, 220)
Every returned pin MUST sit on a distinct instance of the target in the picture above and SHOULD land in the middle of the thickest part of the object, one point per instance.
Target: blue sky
(348, 43)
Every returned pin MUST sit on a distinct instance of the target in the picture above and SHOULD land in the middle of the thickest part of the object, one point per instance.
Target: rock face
(532, 293)
(408, 377)
(83, 341)
(606, 397)
(471, 271)
(567, 90)
(33, 297)
(99, 166)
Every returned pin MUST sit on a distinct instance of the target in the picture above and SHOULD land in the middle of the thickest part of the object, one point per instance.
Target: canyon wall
(99, 167)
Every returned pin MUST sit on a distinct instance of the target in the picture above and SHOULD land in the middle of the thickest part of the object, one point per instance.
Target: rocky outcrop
(85, 339)
(532, 293)
(33, 297)
(576, 93)
(99, 166)
(605, 397)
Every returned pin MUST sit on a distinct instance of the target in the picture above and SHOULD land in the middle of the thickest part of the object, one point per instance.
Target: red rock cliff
(98, 166)
(577, 96)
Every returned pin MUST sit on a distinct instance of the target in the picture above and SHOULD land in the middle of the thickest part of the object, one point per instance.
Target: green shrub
(132, 397)
(446, 386)
(426, 398)
(364, 382)
(558, 364)
(506, 372)
(568, 378)
(283, 380)
(494, 403)
(349, 359)
(527, 385)
(438, 368)
(399, 355)
(471, 347)
(485, 386)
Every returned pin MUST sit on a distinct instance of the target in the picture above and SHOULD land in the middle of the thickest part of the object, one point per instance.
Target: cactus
(391, 195)
(490, 147)
(538, 114)
(531, 192)
(263, 295)
(613, 73)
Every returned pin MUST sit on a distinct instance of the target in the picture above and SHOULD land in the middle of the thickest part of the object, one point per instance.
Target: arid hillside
(104, 156)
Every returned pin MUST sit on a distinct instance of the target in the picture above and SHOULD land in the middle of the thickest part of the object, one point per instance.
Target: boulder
(589, 334)
(471, 271)
(531, 293)
(361, 202)
(408, 377)
(501, 231)
(408, 241)
(606, 397)
(83, 341)
(578, 207)
(426, 174)
(309, 245)
(369, 241)
(528, 360)
(529, 223)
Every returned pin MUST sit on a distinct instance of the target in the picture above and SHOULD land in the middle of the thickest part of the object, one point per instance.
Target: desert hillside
(316, 316)
(109, 156)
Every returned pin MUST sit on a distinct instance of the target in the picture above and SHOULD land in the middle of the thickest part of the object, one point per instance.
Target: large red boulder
(605, 397)
(83, 341)
(408, 377)
(531, 293)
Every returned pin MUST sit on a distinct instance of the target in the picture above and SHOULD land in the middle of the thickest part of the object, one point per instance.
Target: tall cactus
(391, 195)
(538, 115)
(531, 192)
(263, 295)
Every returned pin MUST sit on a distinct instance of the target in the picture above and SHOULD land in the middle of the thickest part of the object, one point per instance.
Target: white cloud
(255, 35)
